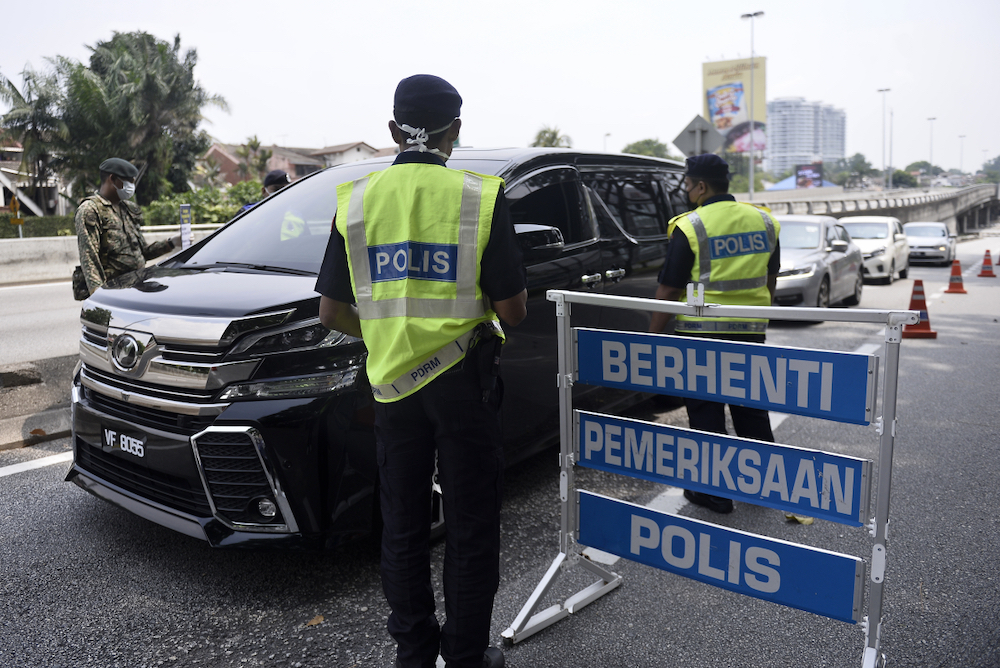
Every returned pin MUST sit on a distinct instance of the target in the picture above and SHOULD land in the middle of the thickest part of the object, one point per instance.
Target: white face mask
(126, 191)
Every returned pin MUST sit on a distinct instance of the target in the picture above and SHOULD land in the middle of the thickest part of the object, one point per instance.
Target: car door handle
(614, 274)
(590, 280)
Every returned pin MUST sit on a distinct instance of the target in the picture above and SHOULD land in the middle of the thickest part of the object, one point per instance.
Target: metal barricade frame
(528, 623)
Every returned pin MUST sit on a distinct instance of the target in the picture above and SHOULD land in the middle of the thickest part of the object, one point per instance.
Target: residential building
(801, 133)
(296, 162)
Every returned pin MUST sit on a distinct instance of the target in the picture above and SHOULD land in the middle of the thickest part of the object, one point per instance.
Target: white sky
(312, 74)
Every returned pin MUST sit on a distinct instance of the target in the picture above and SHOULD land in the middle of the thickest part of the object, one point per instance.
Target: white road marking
(36, 464)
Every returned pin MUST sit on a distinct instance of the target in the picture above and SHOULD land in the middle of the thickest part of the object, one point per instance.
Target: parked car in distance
(820, 264)
(930, 242)
(882, 244)
(212, 401)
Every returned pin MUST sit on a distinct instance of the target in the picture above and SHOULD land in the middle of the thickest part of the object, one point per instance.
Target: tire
(855, 298)
(903, 273)
(892, 274)
(823, 294)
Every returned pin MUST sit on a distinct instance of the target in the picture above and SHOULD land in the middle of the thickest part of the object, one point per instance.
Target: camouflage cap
(119, 167)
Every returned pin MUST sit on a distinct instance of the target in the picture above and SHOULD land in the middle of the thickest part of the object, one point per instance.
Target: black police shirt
(502, 274)
(676, 270)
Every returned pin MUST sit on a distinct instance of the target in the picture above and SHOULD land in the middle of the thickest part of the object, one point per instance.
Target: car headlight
(303, 335)
(942, 248)
(798, 272)
(302, 386)
(875, 253)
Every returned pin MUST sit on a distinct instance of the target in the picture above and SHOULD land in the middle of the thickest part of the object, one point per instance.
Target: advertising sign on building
(727, 89)
(809, 176)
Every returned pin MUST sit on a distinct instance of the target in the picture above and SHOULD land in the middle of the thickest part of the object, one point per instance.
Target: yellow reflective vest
(732, 244)
(415, 236)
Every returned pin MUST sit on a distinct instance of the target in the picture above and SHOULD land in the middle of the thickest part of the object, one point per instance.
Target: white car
(930, 242)
(882, 243)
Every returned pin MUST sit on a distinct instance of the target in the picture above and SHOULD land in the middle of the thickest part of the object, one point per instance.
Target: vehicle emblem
(125, 396)
(126, 351)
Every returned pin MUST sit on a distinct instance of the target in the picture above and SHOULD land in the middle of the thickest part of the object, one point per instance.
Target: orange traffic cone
(955, 285)
(921, 330)
(987, 271)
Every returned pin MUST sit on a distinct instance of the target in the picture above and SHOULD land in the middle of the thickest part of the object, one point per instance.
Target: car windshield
(867, 230)
(795, 234)
(925, 230)
(290, 230)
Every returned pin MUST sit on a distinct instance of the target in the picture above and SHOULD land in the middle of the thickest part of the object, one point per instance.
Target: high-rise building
(800, 133)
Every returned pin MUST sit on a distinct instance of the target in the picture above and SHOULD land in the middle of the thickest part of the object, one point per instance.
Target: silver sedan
(930, 242)
(820, 264)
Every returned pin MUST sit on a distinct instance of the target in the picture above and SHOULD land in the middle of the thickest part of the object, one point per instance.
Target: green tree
(924, 167)
(992, 165)
(653, 147)
(137, 100)
(904, 179)
(253, 159)
(550, 137)
(34, 120)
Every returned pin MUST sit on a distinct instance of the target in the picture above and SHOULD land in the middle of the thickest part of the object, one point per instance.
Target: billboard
(726, 102)
(809, 176)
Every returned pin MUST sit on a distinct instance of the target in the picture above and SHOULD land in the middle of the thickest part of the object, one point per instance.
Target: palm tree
(253, 160)
(137, 100)
(549, 136)
(34, 120)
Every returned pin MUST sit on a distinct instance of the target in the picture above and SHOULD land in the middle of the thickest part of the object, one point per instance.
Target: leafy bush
(34, 226)
(208, 205)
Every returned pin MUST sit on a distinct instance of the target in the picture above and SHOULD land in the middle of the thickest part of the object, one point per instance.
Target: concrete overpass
(964, 210)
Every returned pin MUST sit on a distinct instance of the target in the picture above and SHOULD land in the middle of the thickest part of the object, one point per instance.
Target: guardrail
(847, 204)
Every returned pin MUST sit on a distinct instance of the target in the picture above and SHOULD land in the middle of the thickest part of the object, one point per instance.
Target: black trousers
(447, 417)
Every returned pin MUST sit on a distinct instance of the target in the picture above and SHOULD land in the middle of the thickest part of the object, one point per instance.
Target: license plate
(131, 444)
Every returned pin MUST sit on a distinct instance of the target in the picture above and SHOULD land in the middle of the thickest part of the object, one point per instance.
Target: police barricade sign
(830, 385)
(797, 480)
(818, 383)
(765, 568)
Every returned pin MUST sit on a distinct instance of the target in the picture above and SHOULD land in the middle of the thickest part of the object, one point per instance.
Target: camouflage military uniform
(110, 241)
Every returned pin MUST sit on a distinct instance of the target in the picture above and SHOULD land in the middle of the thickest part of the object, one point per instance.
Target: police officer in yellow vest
(731, 248)
(429, 256)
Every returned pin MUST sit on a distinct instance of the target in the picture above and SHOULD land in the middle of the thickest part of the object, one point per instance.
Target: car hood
(926, 241)
(867, 245)
(797, 257)
(213, 293)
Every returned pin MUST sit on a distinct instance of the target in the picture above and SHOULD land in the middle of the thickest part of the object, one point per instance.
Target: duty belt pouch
(487, 347)
(80, 291)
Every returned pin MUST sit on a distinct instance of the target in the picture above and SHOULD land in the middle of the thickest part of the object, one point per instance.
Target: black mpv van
(211, 400)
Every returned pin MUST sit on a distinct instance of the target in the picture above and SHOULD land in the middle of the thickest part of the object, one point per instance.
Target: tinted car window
(799, 235)
(868, 230)
(552, 198)
(637, 200)
(842, 233)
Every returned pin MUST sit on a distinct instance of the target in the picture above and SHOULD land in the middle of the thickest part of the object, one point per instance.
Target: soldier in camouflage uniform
(107, 231)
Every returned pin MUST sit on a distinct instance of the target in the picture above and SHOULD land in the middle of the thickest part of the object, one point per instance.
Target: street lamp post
(931, 168)
(606, 135)
(961, 151)
(753, 130)
(885, 171)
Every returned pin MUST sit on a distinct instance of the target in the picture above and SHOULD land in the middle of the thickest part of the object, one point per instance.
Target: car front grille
(152, 485)
(154, 418)
(235, 476)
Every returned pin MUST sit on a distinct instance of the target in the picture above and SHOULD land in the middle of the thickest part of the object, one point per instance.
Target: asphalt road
(39, 322)
(86, 584)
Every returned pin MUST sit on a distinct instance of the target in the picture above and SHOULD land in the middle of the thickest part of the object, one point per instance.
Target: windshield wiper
(255, 267)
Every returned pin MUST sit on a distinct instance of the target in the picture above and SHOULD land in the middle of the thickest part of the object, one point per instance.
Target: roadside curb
(17, 432)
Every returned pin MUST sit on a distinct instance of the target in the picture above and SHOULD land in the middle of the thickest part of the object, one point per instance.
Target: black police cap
(276, 176)
(120, 168)
(425, 96)
(707, 166)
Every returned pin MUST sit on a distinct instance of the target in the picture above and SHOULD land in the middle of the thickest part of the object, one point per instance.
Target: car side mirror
(839, 246)
(899, 237)
(539, 243)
